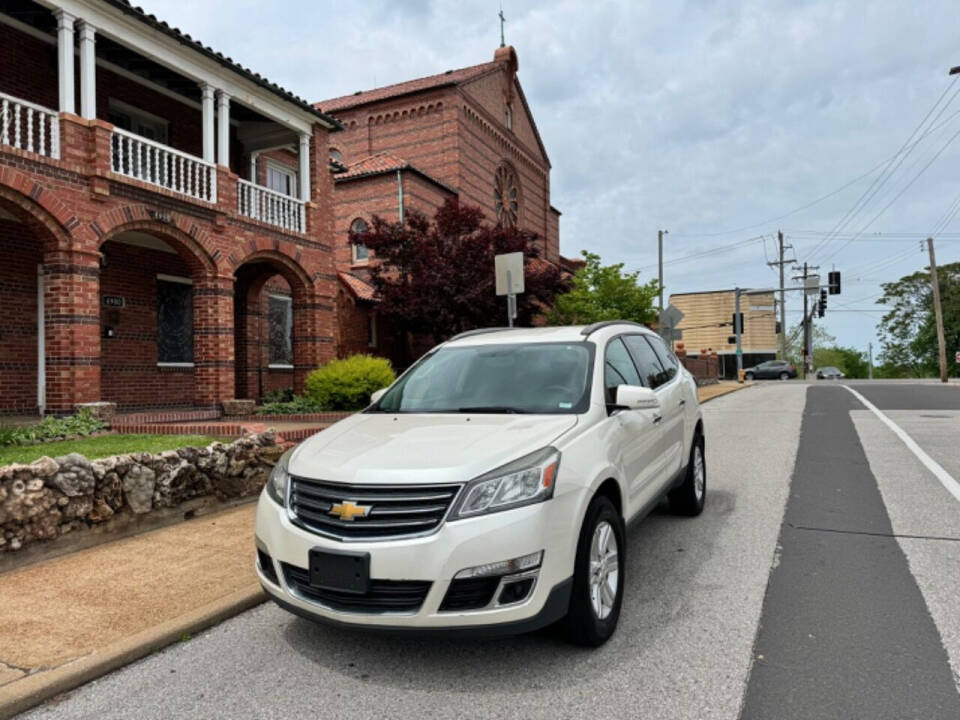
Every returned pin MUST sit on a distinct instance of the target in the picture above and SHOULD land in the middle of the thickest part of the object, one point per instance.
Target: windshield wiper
(492, 409)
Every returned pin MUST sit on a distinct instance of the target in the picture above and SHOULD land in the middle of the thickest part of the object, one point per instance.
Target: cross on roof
(502, 21)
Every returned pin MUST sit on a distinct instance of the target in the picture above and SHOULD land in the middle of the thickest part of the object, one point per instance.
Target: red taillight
(793, 367)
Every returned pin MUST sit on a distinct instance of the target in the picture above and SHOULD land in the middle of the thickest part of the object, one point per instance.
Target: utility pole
(783, 307)
(807, 317)
(870, 355)
(660, 234)
(738, 331)
(938, 311)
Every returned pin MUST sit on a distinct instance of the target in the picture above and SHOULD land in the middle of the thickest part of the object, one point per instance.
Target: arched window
(336, 155)
(508, 116)
(360, 252)
(506, 196)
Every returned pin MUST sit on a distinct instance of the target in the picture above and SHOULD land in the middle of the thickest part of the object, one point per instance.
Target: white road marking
(945, 478)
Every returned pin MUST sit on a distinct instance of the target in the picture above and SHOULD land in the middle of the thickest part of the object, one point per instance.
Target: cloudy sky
(710, 119)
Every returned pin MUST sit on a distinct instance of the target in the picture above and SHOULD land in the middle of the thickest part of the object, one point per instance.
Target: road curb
(32, 690)
(726, 392)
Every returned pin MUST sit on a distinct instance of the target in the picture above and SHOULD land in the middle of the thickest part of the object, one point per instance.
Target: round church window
(506, 196)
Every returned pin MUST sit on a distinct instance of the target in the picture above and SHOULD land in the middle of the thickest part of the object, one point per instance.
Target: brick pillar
(312, 334)
(213, 340)
(71, 297)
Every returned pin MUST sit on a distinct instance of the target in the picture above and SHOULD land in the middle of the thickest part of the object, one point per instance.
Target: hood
(415, 448)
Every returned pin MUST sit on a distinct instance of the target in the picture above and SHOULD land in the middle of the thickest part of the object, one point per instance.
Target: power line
(712, 251)
(887, 173)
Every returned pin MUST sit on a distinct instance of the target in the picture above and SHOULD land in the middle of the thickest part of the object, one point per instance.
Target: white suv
(488, 488)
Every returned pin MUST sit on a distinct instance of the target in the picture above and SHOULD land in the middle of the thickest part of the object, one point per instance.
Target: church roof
(362, 97)
(382, 163)
(358, 287)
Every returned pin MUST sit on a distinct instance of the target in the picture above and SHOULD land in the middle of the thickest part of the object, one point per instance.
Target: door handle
(657, 418)
(682, 403)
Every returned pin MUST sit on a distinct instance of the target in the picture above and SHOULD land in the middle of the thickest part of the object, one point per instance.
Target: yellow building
(707, 326)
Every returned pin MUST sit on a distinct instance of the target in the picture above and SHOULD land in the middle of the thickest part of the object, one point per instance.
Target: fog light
(504, 567)
(514, 592)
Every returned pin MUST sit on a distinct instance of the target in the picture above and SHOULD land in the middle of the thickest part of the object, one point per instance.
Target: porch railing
(29, 127)
(269, 206)
(152, 162)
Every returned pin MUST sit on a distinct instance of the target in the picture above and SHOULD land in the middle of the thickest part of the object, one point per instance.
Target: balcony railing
(29, 127)
(157, 164)
(269, 206)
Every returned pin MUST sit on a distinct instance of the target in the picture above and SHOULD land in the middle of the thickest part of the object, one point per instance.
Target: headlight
(279, 478)
(530, 479)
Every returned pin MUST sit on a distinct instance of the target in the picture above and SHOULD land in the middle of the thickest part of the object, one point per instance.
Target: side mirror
(634, 397)
(376, 395)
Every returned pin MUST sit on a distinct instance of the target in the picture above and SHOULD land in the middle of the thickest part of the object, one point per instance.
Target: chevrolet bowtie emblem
(348, 510)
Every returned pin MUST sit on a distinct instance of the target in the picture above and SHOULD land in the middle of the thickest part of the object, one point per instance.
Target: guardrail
(29, 127)
(260, 203)
(141, 159)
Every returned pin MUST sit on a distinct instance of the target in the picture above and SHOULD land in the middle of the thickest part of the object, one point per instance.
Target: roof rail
(480, 331)
(593, 327)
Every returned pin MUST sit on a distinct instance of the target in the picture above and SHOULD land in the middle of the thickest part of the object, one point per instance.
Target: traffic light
(822, 305)
(731, 339)
(833, 281)
(733, 322)
(779, 328)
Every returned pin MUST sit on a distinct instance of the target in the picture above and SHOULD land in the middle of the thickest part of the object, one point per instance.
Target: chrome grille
(395, 510)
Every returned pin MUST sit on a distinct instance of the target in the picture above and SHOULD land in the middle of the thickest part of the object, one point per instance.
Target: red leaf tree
(436, 277)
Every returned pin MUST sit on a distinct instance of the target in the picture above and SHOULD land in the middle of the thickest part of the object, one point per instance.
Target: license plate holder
(347, 572)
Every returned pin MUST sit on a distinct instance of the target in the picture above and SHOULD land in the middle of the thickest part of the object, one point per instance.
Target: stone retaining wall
(54, 496)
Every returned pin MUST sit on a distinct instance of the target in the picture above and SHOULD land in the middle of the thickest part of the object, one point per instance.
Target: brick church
(174, 227)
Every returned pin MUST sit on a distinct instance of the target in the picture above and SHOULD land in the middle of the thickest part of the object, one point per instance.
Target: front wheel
(598, 576)
(748, 376)
(690, 496)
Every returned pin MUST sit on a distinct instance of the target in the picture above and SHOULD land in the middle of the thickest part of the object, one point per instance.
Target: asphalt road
(822, 581)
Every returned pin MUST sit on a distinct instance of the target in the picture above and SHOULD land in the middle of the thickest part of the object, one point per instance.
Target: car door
(673, 404)
(765, 370)
(635, 435)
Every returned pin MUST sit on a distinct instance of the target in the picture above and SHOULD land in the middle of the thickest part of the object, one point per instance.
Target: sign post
(508, 273)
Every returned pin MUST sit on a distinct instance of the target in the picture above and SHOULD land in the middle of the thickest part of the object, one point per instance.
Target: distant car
(771, 370)
(829, 373)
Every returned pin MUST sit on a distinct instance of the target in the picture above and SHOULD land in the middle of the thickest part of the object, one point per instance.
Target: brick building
(467, 133)
(166, 218)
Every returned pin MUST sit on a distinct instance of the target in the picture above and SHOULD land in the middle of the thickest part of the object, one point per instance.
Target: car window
(669, 361)
(498, 378)
(651, 369)
(618, 369)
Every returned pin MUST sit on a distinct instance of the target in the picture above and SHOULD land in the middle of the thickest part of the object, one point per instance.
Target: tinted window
(618, 369)
(667, 359)
(526, 378)
(651, 370)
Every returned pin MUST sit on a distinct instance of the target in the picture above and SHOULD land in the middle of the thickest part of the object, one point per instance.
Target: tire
(748, 376)
(591, 620)
(784, 376)
(691, 495)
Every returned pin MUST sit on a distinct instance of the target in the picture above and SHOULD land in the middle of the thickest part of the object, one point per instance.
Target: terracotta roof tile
(450, 77)
(358, 287)
(374, 164)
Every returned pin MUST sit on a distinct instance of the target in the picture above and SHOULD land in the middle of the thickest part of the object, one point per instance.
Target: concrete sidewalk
(75, 617)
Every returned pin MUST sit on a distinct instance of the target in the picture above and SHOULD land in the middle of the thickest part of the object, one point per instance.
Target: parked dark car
(771, 370)
(829, 373)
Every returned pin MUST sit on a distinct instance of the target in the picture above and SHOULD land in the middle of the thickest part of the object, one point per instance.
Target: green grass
(101, 446)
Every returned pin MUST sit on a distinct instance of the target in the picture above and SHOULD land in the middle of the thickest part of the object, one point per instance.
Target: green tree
(908, 332)
(850, 362)
(604, 292)
(821, 339)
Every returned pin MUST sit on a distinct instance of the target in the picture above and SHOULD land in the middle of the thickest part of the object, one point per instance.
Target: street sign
(671, 316)
(957, 357)
(509, 273)
(812, 286)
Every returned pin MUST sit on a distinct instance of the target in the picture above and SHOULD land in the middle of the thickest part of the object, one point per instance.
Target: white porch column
(223, 129)
(206, 93)
(254, 156)
(305, 167)
(68, 102)
(88, 70)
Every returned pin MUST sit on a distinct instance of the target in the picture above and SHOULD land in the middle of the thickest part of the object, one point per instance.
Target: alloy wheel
(604, 570)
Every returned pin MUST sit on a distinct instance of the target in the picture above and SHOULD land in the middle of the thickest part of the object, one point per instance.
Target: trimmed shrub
(347, 384)
(297, 405)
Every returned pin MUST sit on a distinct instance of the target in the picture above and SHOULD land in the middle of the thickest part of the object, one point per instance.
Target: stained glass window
(280, 317)
(174, 322)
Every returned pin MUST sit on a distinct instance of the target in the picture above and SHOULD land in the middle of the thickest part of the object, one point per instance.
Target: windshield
(542, 378)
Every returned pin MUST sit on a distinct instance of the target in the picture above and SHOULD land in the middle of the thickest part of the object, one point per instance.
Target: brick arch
(291, 270)
(187, 238)
(40, 207)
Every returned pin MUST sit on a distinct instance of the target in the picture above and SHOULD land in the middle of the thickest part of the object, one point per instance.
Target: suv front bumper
(551, 526)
